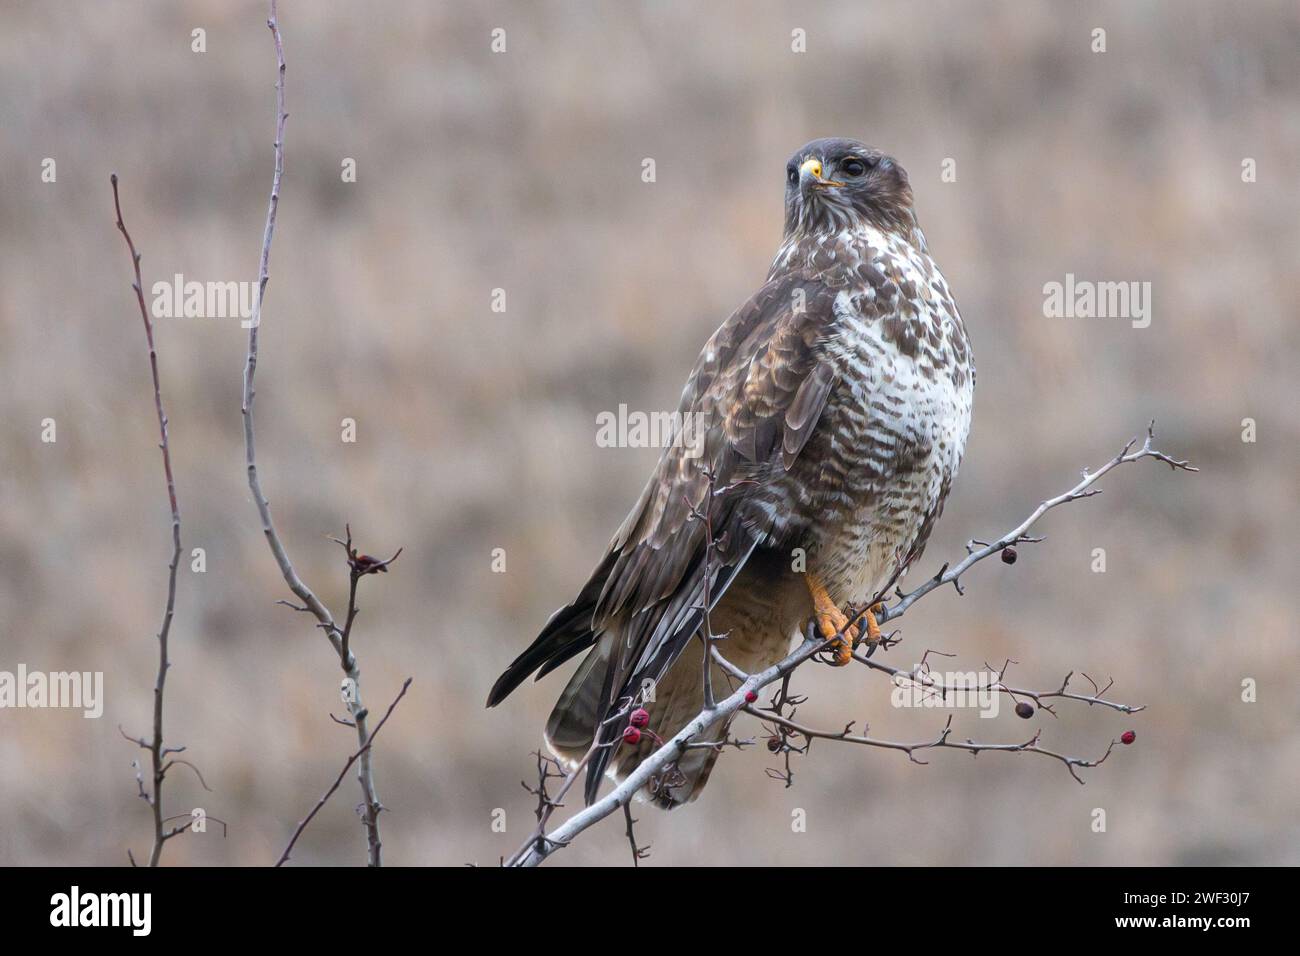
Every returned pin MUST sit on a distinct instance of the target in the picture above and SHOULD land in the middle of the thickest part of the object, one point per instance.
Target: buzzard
(835, 405)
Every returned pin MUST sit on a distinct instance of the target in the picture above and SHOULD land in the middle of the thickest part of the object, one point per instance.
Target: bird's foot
(833, 623)
(872, 636)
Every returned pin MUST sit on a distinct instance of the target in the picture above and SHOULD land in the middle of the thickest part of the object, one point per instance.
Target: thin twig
(639, 853)
(365, 747)
(155, 748)
(365, 774)
(974, 747)
(920, 674)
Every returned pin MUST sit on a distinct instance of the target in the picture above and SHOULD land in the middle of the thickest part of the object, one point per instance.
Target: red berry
(750, 696)
(1008, 555)
(1127, 737)
(774, 743)
(640, 717)
(631, 735)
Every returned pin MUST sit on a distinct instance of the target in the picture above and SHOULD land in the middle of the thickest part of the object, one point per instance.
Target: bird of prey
(833, 409)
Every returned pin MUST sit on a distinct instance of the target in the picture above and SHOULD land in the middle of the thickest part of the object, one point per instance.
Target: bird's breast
(894, 430)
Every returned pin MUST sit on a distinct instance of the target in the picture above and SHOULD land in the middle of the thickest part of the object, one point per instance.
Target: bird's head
(833, 184)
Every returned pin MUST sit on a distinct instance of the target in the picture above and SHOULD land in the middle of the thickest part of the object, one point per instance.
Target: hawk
(833, 409)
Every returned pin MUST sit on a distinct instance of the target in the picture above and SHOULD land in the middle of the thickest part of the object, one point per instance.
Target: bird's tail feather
(581, 707)
(567, 634)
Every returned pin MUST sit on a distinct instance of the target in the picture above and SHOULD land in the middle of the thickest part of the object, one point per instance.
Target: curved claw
(832, 623)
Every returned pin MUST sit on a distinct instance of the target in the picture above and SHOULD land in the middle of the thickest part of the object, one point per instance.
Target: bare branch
(338, 637)
(365, 748)
(974, 747)
(177, 831)
(920, 674)
(639, 853)
(1019, 534)
(156, 750)
(185, 763)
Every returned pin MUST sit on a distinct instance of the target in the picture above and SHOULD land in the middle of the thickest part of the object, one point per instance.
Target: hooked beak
(810, 176)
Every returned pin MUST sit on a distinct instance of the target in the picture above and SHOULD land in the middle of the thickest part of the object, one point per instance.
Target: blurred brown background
(477, 430)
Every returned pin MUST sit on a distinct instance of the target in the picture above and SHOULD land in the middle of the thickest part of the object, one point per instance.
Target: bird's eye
(853, 167)
(791, 174)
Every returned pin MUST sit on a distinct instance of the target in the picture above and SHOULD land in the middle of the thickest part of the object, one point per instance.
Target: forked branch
(339, 637)
(284, 857)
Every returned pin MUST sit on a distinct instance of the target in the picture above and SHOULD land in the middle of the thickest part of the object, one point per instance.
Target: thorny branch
(920, 674)
(157, 752)
(785, 727)
(639, 853)
(546, 805)
(338, 637)
(779, 740)
(545, 774)
(743, 697)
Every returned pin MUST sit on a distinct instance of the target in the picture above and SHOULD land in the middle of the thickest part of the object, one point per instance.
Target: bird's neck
(811, 251)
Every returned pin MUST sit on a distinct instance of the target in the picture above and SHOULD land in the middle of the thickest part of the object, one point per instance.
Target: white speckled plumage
(894, 430)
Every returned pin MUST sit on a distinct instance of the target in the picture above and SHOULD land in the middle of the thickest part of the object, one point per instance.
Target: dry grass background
(477, 429)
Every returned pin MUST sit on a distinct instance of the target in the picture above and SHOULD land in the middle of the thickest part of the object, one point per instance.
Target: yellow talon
(873, 629)
(833, 623)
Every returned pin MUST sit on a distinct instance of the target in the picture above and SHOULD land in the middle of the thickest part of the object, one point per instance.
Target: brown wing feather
(758, 387)
(756, 393)
(757, 390)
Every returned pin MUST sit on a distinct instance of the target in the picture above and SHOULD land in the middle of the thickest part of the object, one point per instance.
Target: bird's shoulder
(766, 343)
